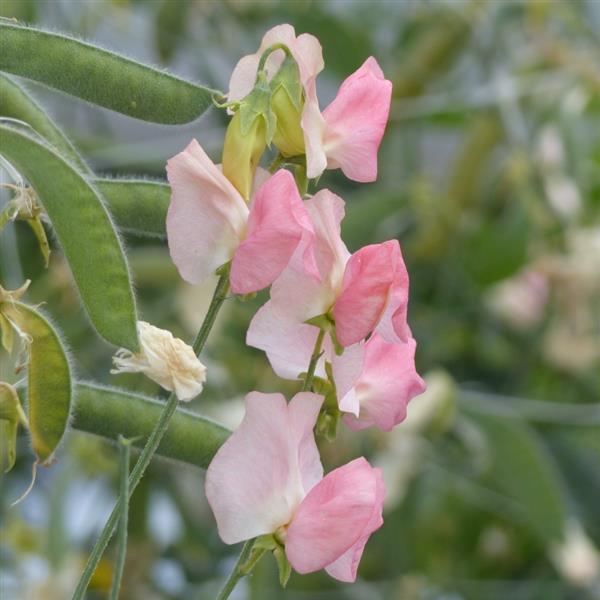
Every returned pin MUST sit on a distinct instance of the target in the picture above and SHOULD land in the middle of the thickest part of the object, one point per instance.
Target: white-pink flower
(268, 479)
(209, 224)
(365, 291)
(374, 380)
(347, 134)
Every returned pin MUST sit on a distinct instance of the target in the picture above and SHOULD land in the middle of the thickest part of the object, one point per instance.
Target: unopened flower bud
(242, 152)
(167, 360)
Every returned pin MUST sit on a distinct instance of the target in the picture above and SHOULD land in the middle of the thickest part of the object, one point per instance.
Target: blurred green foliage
(490, 179)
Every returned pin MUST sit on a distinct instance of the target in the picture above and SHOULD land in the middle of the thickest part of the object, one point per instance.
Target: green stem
(236, 573)
(124, 448)
(268, 52)
(152, 444)
(314, 359)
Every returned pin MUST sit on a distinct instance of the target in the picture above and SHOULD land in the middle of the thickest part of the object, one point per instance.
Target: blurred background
(490, 179)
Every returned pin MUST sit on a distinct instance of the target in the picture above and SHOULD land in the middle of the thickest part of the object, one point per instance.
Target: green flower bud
(289, 137)
(286, 103)
(242, 151)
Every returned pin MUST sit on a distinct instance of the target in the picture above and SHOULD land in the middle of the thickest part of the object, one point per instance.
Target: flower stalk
(153, 441)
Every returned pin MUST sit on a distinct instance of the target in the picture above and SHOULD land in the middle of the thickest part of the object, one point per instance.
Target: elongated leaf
(99, 76)
(138, 206)
(523, 469)
(49, 389)
(108, 412)
(85, 231)
(16, 103)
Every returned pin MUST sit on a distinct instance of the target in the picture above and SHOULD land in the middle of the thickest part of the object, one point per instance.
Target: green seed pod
(49, 390)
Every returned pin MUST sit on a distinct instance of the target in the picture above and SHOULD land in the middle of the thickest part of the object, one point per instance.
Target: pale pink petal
(347, 369)
(263, 471)
(287, 343)
(305, 290)
(345, 567)
(387, 384)
(278, 220)
(206, 217)
(355, 122)
(367, 283)
(333, 517)
(305, 49)
(313, 125)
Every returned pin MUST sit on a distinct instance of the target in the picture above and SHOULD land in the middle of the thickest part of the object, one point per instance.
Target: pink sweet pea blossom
(374, 380)
(209, 224)
(387, 383)
(364, 291)
(267, 478)
(347, 134)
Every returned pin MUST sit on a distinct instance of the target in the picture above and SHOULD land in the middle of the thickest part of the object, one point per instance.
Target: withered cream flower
(165, 359)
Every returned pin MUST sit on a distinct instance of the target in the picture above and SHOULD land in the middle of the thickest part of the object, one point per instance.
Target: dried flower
(165, 359)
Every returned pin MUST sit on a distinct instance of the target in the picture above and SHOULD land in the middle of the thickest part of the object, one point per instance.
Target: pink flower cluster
(267, 479)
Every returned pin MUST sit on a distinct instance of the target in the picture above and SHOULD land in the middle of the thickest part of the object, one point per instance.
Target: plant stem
(152, 444)
(236, 573)
(314, 359)
(124, 448)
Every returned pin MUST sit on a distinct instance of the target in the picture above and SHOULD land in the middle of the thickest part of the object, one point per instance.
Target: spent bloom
(165, 359)
(209, 223)
(267, 479)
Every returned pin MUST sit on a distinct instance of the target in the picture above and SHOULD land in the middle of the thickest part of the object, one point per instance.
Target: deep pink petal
(388, 382)
(367, 283)
(287, 343)
(355, 122)
(261, 473)
(333, 517)
(345, 567)
(278, 220)
(206, 217)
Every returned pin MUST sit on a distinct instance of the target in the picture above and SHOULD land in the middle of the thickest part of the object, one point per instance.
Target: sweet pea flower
(209, 224)
(374, 380)
(167, 360)
(364, 291)
(347, 134)
(385, 386)
(268, 479)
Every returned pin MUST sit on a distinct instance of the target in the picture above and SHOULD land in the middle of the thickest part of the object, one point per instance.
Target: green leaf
(522, 468)
(108, 412)
(99, 76)
(138, 207)
(85, 231)
(16, 103)
(48, 378)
